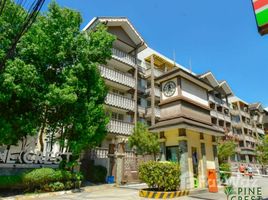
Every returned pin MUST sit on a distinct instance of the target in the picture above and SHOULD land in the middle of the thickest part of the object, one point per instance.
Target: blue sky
(217, 36)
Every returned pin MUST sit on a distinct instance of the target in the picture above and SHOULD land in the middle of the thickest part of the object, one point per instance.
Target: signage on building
(28, 157)
(261, 13)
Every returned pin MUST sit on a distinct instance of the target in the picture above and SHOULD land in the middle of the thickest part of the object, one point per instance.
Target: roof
(182, 122)
(118, 21)
(236, 99)
(148, 52)
(217, 84)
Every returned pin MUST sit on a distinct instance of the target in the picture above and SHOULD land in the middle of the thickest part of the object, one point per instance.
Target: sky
(217, 36)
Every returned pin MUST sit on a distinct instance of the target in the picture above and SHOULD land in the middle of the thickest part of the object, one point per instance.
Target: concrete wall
(194, 92)
(193, 140)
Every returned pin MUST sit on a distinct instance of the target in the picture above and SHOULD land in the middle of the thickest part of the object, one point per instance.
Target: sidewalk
(87, 189)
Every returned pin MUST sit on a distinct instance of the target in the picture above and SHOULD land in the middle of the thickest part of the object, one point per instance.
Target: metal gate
(131, 164)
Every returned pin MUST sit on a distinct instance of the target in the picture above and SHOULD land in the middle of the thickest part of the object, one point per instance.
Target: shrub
(226, 167)
(52, 187)
(162, 176)
(43, 177)
(68, 185)
(38, 177)
(11, 181)
(97, 174)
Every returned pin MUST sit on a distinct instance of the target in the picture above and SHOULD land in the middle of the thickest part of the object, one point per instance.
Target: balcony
(157, 72)
(260, 131)
(237, 124)
(220, 115)
(120, 101)
(118, 127)
(141, 110)
(245, 113)
(117, 76)
(125, 58)
(156, 112)
(234, 112)
(156, 91)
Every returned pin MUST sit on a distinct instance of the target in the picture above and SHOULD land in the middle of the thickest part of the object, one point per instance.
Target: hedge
(160, 176)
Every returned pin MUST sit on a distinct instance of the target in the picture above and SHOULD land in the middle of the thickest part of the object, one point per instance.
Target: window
(172, 153)
(118, 92)
(117, 116)
(182, 132)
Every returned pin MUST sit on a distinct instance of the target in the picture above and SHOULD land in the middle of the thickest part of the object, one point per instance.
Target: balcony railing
(117, 76)
(245, 113)
(220, 115)
(157, 73)
(156, 112)
(120, 101)
(124, 57)
(118, 127)
(156, 91)
(260, 131)
(251, 139)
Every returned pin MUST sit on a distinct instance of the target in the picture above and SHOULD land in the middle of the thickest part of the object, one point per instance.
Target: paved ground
(131, 192)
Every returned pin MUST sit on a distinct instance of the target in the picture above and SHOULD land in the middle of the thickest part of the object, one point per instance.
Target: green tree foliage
(144, 141)
(19, 82)
(226, 149)
(262, 152)
(55, 82)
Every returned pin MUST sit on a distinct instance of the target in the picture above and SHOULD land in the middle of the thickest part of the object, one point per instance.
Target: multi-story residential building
(247, 122)
(122, 77)
(186, 110)
(218, 102)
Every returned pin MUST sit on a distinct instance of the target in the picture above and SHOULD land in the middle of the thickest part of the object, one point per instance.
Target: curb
(162, 195)
(52, 194)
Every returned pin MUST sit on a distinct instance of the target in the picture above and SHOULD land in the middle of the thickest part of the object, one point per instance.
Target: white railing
(156, 112)
(119, 127)
(245, 113)
(156, 91)
(120, 101)
(141, 109)
(124, 57)
(261, 131)
(117, 76)
(157, 73)
(218, 101)
(220, 115)
(237, 124)
(234, 112)
(98, 153)
(251, 139)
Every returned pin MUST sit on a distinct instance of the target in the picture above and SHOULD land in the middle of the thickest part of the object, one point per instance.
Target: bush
(43, 178)
(13, 181)
(162, 176)
(52, 187)
(97, 174)
(226, 167)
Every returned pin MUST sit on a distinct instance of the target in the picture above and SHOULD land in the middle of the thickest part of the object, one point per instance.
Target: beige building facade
(187, 111)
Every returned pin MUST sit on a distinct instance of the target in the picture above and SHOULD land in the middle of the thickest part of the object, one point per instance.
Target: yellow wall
(193, 140)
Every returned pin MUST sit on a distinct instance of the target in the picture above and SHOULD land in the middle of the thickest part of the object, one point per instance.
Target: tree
(226, 149)
(262, 153)
(64, 82)
(15, 20)
(144, 141)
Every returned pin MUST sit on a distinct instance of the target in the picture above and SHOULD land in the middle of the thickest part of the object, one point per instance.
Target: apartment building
(218, 103)
(247, 121)
(186, 110)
